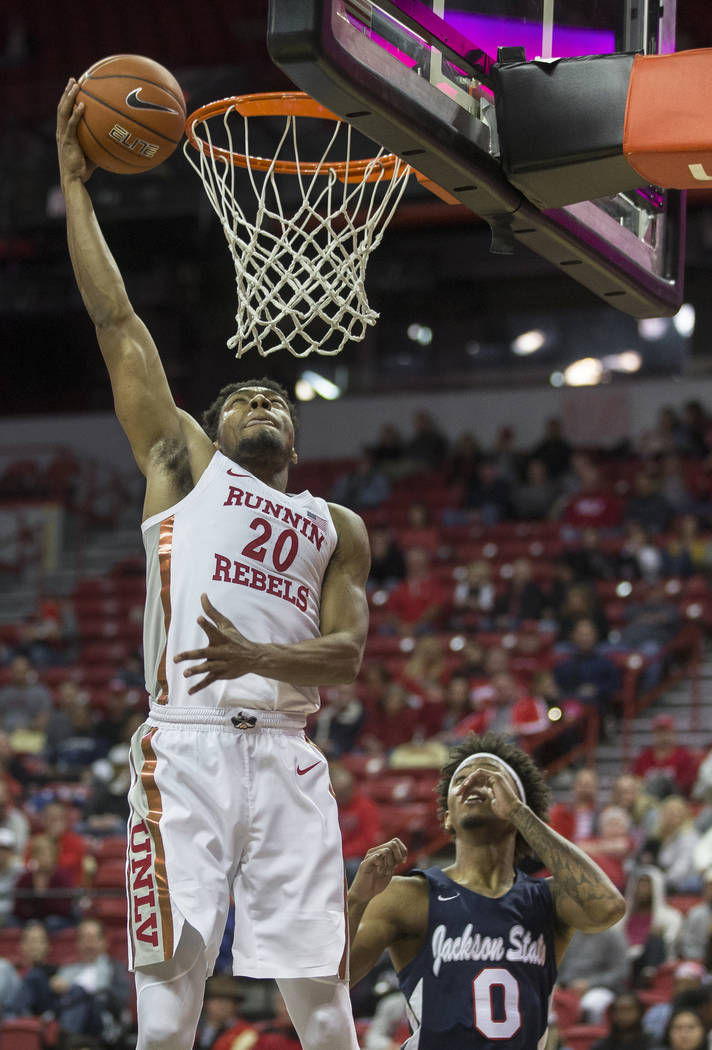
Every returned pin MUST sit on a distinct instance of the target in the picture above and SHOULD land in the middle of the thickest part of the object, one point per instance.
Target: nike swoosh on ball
(133, 100)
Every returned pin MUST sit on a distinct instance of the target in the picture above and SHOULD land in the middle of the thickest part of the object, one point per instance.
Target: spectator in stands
(588, 677)
(44, 890)
(428, 446)
(464, 456)
(488, 494)
(589, 560)
(625, 1020)
(652, 926)
(533, 498)
(594, 502)
(387, 561)
(34, 997)
(666, 767)
(553, 449)
(697, 924)
(647, 506)
(512, 711)
(672, 847)
(117, 717)
(685, 1031)
(687, 977)
(60, 721)
(474, 597)
(628, 792)
(425, 669)
(417, 604)
(578, 820)
(649, 626)
(613, 844)
(339, 720)
(70, 846)
(580, 603)
(10, 868)
(507, 461)
(522, 599)
(72, 755)
(25, 702)
(596, 967)
(12, 772)
(276, 1034)
(397, 718)
(389, 451)
(364, 487)
(48, 636)
(696, 425)
(667, 435)
(673, 484)
(640, 557)
(359, 819)
(9, 985)
(456, 710)
(91, 994)
(221, 1014)
(420, 529)
(106, 809)
(12, 818)
(562, 578)
(688, 545)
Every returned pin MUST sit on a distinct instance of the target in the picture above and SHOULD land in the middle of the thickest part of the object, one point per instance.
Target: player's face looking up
(255, 424)
(476, 806)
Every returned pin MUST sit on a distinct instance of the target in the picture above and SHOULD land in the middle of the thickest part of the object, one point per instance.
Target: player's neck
(485, 867)
(272, 472)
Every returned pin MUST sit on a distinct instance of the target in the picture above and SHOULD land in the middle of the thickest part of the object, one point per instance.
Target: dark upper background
(433, 268)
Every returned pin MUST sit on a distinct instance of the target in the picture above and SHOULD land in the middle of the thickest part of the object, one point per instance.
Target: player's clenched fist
(376, 869)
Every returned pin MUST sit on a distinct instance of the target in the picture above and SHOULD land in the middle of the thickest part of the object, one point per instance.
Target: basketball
(134, 113)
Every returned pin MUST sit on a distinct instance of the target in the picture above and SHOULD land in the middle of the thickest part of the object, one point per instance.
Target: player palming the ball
(476, 946)
(254, 598)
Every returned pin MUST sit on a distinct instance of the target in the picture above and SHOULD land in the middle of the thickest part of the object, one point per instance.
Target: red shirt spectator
(665, 767)
(44, 880)
(594, 503)
(393, 720)
(418, 602)
(70, 846)
(359, 819)
(578, 821)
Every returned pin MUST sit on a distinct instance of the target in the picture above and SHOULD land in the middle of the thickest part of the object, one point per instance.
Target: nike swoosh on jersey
(134, 102)
(233, 474)
(301, 772)
(441, 898)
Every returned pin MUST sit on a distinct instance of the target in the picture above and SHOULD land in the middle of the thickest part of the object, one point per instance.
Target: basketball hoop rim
(285, 104)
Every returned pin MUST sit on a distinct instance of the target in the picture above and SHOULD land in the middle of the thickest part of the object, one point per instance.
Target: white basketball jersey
(260, 556)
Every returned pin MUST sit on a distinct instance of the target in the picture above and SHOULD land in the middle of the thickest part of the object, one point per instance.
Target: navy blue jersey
(483, 977)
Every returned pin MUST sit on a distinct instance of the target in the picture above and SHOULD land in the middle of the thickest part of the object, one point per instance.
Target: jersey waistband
(242, 719)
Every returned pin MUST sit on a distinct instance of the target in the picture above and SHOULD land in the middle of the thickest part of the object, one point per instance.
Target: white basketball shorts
(217, 811)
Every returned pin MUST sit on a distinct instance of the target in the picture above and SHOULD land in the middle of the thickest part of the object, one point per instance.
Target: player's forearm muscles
(98, 278)
(575, 874)
(333, 659)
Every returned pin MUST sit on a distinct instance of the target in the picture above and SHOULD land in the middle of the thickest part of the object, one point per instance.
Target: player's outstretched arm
(331, 659)
(144, 403)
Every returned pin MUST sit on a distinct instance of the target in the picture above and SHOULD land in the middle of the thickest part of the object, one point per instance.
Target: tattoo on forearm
(574, 872)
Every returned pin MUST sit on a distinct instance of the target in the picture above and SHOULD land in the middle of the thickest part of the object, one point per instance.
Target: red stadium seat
(110, 874)
(113, 846)
(22, 1033)
(583, 1036)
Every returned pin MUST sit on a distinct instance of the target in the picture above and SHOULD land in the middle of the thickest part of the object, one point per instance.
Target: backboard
(417, 77)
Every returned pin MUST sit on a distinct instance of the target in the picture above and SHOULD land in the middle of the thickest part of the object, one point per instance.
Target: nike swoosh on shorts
(301, 772)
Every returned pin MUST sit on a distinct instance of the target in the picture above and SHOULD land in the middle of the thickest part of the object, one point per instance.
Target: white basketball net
(300, 277)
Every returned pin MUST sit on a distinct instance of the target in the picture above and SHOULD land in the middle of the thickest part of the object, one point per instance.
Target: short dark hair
(533, 780)
(211, 416)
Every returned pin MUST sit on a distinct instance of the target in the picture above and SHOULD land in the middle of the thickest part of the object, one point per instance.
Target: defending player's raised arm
(382, 909)
(144, 403)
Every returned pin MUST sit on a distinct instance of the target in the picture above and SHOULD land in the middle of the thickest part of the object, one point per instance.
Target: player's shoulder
(350, 527)
(405, 900)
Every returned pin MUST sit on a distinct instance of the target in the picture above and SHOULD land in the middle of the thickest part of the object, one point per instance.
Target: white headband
(500, 762)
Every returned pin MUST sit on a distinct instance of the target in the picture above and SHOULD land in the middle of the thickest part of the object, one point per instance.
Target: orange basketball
(134, 113)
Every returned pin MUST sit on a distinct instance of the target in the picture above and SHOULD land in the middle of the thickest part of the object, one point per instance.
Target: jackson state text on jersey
(260, 555)
(483, 977)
